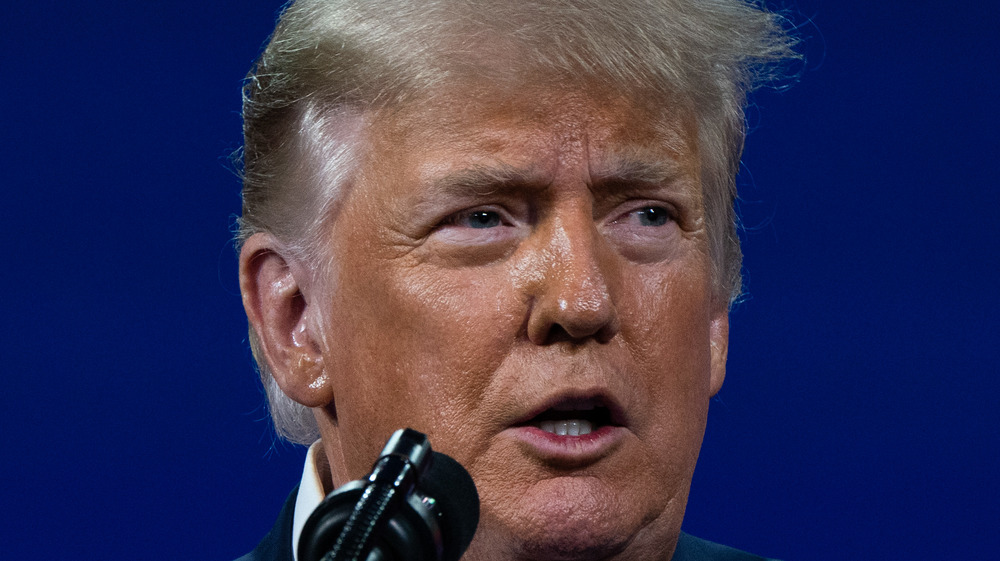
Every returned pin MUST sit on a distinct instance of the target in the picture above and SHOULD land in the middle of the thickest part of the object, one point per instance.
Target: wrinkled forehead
(539, 125)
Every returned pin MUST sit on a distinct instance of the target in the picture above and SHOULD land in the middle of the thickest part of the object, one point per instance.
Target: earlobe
(719, 337)
(277, 303)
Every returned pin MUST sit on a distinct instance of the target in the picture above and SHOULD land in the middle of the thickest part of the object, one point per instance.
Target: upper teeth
(574, 427)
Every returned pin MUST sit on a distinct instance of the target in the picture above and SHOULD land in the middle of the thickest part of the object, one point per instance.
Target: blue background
(859, 417)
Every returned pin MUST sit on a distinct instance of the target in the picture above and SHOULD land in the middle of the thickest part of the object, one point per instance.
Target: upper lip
(579, 400)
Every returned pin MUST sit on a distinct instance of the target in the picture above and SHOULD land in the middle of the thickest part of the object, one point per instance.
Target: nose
(571, 300)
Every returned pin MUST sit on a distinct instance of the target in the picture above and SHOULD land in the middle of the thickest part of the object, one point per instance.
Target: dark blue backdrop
(858, 420)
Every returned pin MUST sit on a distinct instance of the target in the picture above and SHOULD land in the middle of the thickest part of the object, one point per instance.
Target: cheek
(455, 319)
(665, 313)
(667, 325)
(463, 326)
(417, 348)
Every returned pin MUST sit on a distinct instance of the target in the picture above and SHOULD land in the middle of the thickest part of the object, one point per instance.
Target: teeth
(574, 427)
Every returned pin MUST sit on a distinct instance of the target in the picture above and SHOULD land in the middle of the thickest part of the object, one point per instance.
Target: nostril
(557, 334)
(608, 331)
(595, 318)
(553, 326)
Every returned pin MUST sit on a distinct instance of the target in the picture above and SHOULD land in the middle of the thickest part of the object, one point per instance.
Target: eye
(646, 216)
(478, 219)
(644, 231)
(652, 216)
(477, 236)
(478, 225)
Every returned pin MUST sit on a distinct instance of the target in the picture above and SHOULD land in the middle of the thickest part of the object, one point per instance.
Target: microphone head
(452, 488)
(433, 517)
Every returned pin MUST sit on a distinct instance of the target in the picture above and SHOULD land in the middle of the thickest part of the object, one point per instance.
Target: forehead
(539, 128)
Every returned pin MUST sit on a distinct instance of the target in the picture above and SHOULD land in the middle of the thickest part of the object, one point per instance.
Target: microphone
(415, 505)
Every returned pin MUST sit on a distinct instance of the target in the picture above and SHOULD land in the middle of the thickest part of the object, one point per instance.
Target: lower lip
(569, 451)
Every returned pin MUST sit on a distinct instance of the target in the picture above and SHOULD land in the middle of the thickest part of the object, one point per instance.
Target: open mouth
(573, 418)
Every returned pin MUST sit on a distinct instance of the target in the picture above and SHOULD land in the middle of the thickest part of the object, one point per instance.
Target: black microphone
(415, 505)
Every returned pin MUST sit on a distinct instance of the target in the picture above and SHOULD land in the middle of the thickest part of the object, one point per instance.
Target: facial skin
(501, 255)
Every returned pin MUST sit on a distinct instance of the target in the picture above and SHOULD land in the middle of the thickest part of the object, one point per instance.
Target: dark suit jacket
(277, 544)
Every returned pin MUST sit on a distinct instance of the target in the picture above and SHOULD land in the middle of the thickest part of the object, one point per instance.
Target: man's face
(508, 266)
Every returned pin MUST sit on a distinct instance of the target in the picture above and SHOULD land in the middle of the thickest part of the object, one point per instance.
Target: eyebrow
(628, 172)
(627, 169)
(484, 180)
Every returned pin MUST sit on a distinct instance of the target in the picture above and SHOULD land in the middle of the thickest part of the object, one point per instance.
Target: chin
(576, 546)
(570, 518)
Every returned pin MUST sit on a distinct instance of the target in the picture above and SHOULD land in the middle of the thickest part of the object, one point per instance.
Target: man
(507, 225)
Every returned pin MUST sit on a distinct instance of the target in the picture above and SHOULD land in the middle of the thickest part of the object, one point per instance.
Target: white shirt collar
(309, 497)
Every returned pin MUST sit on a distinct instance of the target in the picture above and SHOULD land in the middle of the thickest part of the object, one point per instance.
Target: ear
(719, 338)
(277, 304)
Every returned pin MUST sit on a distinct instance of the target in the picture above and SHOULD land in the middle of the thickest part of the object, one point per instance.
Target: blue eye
(653, 216)
(482, 219)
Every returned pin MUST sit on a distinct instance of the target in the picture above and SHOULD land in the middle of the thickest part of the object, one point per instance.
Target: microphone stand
(415, 505)
(394, 477)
